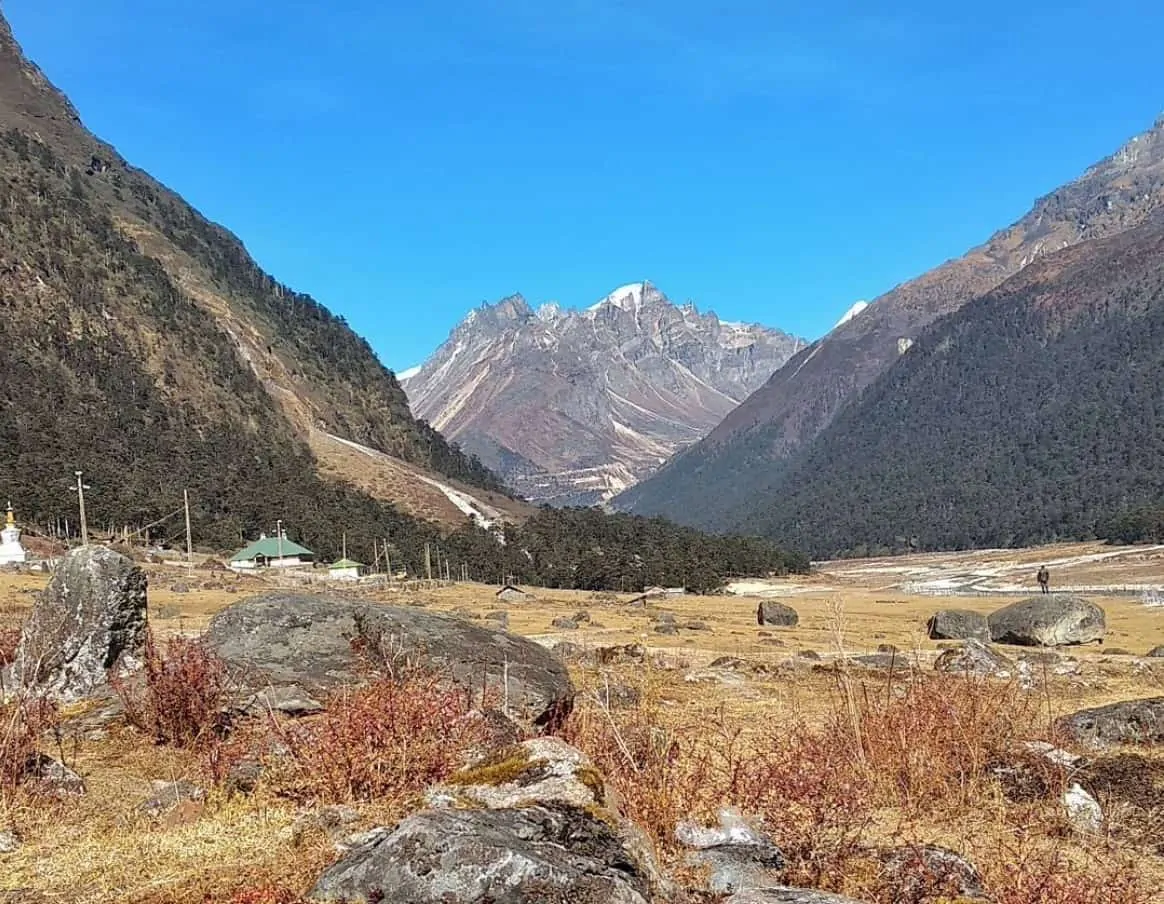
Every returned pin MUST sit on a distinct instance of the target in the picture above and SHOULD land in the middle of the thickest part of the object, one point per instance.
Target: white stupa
(11, 552)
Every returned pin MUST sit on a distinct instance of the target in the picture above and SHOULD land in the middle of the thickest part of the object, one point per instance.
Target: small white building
(271, 552)
(345, 570)
(11, 552)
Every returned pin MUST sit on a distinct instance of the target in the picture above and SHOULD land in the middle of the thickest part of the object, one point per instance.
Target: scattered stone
(512, 856)
(1155, 653)
(958, 624)
(499, 616)
(776, 615)
(884, 661)
(564, 624)
(88, 624)
(1083, 811)
(542, 770)
(667, 628)
(738, 855)
(464, 612)
(1054, 755)
(289, 699)
(975, 658)
(9, 843)
(1117, 651)
(335, 821)
(1048, 621)
(812, 655)
(570, 651)
(631, 652)
(179, 588)
(888, 648)
(665, 618)
(167, 795)
(54, 775)
(1129, 722)
(930, 872)
(243, 777)
(697, 626)
(782, 894)
(772, 642)
(582, 617)
(319, 643)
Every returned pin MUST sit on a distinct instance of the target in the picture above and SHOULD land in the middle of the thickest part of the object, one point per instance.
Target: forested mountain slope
(144, 346)
(1032, 414)
(713, 483)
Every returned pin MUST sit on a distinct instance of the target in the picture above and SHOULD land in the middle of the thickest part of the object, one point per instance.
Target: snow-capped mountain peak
(573, 406)
(407, 373)
(851, 313)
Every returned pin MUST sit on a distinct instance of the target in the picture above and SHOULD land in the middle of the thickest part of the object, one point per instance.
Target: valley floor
(100, 848)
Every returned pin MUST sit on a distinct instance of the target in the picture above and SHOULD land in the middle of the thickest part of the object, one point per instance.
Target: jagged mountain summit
(571, 407)
(143, 345)
(714, 482)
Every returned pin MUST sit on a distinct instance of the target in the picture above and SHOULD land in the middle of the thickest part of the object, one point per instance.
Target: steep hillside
(144, 346)
(1034, 413)
(710, 483)
(571, 407)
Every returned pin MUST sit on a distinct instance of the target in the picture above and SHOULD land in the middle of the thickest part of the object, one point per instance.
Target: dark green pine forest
(1034, 414)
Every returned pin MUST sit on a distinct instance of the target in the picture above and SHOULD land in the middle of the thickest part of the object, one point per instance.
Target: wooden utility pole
(427, 562)
(189, 539)
(387, 562)
(81, 504)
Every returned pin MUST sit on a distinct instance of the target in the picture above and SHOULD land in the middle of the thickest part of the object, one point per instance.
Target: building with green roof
(345, 569)
(272, 552)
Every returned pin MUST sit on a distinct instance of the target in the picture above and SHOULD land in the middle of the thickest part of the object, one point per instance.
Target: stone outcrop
(776, 615)
(88, 624)
(975, 658)
(958, 624)
(1051, 620)
(1127, 722)
(315, 643)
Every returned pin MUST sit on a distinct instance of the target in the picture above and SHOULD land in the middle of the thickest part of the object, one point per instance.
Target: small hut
(345, 569)
(511, 594)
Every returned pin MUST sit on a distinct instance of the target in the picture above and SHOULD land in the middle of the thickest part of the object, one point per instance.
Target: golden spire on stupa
(11, 517)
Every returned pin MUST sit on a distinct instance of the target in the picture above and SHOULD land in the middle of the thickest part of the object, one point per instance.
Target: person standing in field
(1044, 578)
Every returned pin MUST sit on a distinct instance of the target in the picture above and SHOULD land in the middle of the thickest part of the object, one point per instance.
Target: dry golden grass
(99, 849)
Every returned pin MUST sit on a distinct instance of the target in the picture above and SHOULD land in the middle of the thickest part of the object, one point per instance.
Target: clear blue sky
(403, 162)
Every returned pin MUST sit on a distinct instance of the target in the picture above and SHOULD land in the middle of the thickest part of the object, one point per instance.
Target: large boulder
(735, 853)
(1051, 620)
(514, 856)
(1128, 722)
(88, 624)
(769, 612)
(318, 643)
(958, 624)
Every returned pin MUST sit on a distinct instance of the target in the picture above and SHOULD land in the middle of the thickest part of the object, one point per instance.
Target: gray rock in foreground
(783, 894)
(534, 854)
(958, 624)
(1128, 722)
(736, 854)
(88, 624)
(1051, 620)
(316, 643)
(776, 615)
(975, 658)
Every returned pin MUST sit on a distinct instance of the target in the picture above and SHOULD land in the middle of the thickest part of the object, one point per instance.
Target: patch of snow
(628, 297)
(851, 313)
(409, 373)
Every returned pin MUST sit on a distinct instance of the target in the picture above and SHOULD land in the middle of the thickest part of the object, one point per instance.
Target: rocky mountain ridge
(570, 407)
(748, 453)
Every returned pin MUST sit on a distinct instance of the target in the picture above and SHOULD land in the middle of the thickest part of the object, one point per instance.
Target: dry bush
(930, 744)
(22, 724)
(385, 741)
(9, 641)
(1046, 875)
(180, 696)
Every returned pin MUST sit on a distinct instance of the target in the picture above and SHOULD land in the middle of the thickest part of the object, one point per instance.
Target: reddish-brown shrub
(268, 893)
(9, 640)
(385, 741)
(22, 723)
(180, 695)
(1047, 876)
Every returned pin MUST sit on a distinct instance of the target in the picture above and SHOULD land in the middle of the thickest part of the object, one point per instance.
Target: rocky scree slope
(570, 407)
(135, 326)
(711, 484)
